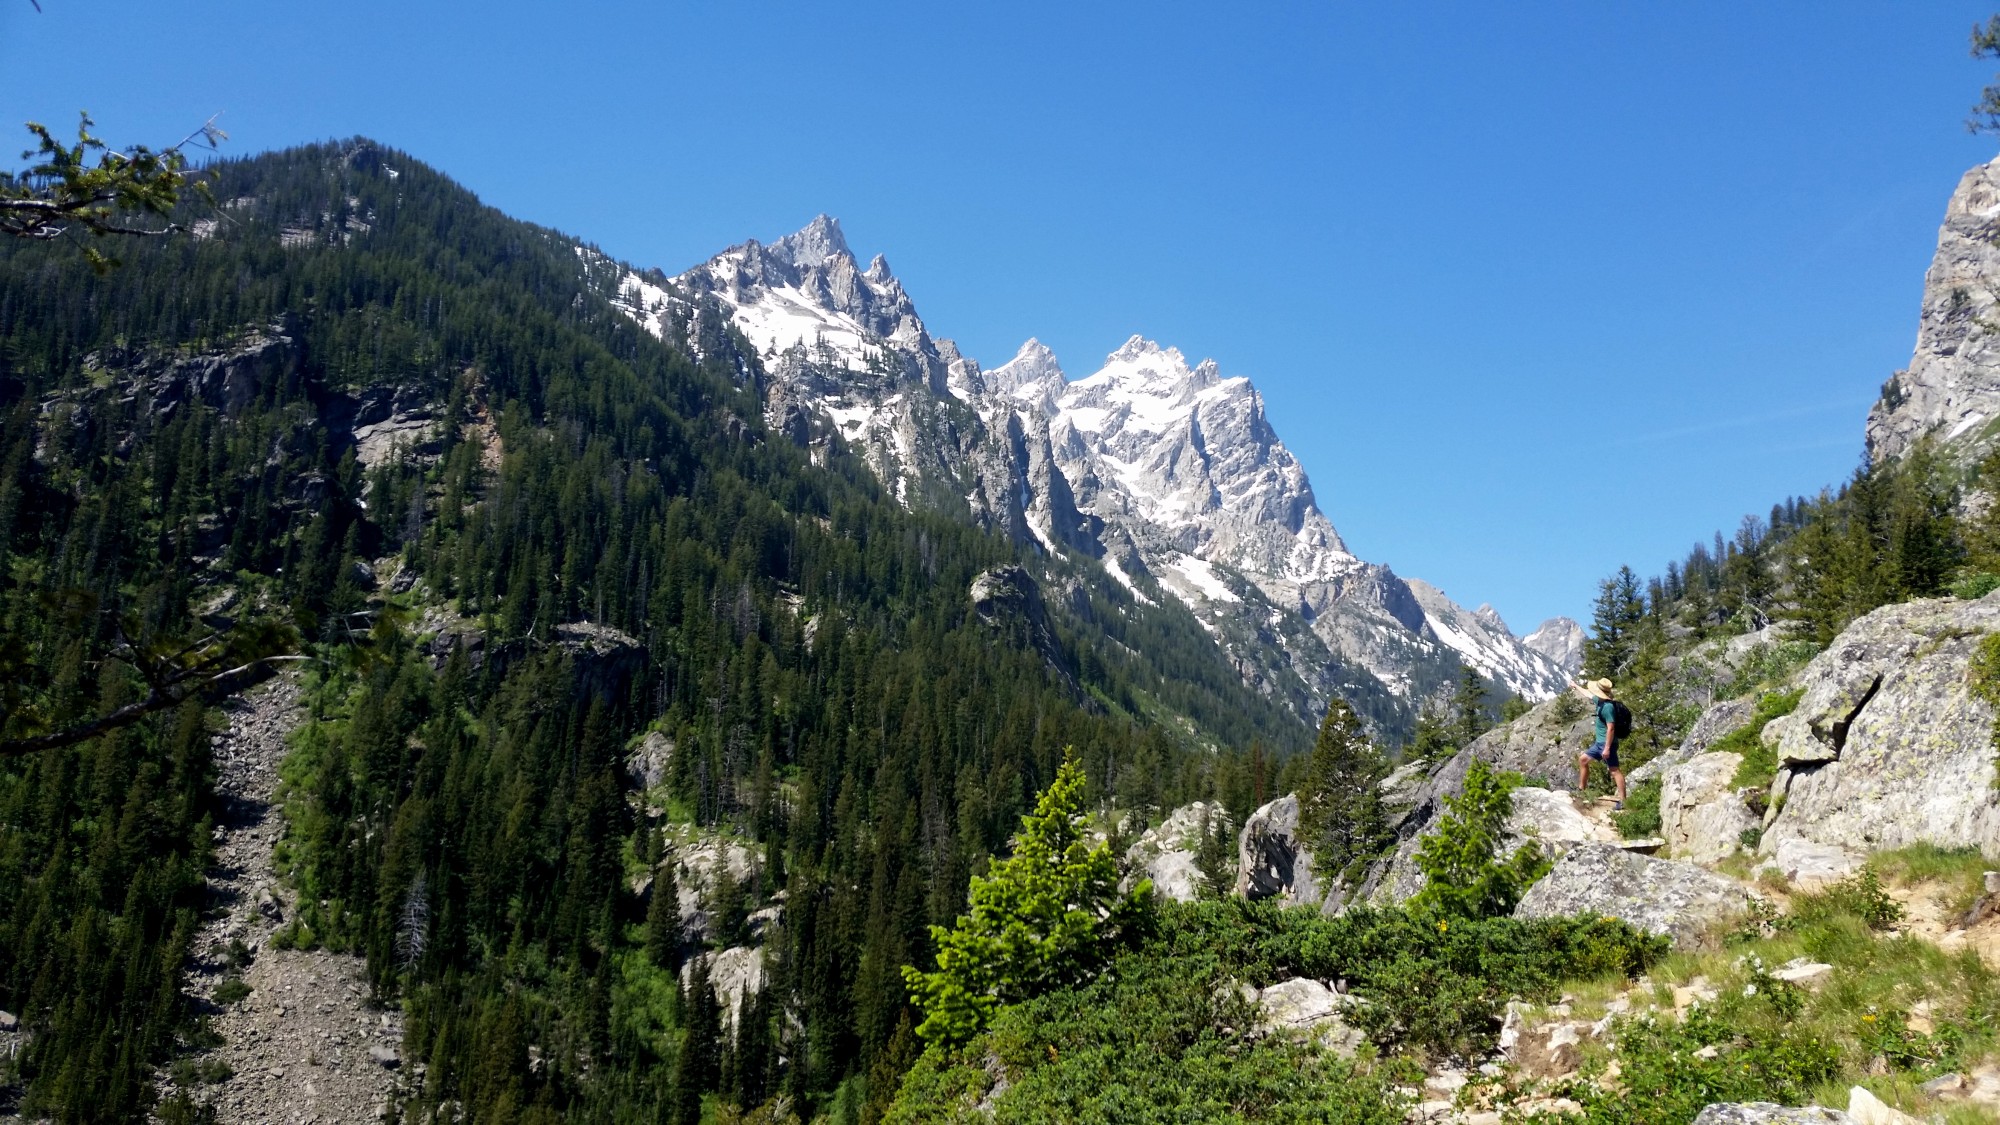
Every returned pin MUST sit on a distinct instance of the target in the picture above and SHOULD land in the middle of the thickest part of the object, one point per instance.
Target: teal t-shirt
(1604, 715)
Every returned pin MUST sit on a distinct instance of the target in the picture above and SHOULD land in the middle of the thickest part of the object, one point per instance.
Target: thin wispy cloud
(1723, 425)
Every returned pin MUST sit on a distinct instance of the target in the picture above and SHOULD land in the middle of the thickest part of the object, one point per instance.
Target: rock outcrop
(1550, 820)
(1718, 720)
(646, 764)
(1890, 745)
(1008, 599)
(1541, 745)
(1952, 387)
(1702, 815)
(1547, 818)
(1308, 1007)
(1169, 854)
(1561, 640)
(1677, 900)
(1769, 1113)
(1271, 860)
(737, 976)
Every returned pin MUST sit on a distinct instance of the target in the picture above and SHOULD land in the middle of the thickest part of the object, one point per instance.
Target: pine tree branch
(163, 696)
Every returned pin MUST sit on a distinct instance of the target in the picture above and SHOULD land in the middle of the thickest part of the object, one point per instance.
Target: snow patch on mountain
(1202, 577)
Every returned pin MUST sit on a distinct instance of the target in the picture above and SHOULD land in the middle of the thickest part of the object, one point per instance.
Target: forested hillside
(362, 419)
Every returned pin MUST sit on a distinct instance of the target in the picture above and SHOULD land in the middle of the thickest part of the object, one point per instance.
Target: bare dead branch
(209, 688)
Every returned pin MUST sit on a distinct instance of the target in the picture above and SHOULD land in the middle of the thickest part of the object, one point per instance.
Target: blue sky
(1532, 289)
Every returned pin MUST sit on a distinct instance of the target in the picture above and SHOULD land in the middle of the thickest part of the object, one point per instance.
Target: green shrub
(1641, 815)
(1760, 762)
(1751, 1061)
(231, 991)
(1975, 585)
(1859, 896)
(1985, 679)
(1886, 1035)
(1165, 1034)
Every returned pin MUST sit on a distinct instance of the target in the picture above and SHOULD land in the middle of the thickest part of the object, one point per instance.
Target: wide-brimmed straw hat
(1599, 688)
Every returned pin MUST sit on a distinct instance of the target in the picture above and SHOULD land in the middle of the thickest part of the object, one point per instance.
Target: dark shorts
(1597, 752)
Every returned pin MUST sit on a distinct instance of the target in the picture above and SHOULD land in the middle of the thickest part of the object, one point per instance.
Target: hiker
(1614, 722)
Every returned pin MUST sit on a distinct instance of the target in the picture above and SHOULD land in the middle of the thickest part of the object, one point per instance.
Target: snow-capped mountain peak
(806, 292)
(1166, 471)
(1033, 378)
(815, 244)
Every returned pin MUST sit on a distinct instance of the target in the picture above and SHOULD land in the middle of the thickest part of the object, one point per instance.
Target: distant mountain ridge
(1166, 472)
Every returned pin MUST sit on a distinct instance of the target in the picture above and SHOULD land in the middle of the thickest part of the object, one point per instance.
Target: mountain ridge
(1166, 471)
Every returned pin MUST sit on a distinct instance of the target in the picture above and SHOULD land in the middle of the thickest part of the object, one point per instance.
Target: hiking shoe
(1617, 806)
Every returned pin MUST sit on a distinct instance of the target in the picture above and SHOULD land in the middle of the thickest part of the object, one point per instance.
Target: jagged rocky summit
(1951, 390)
(1167, 473)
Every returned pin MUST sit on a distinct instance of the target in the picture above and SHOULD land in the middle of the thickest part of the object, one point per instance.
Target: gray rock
(9, 1021)
(1545, 818)
(1952, 387)
(1309, 1007)
(605, 659)
(1008, 598)
(1403, 788)
(385, 1057)
(1550, 819)
(1718, 720)
(1800, 970)
(1270, 860)
(1396, 877)
(1540, 745)
(1944, 1085)
(1561, 640)
(647, 764)
(1678, 900)
(1167, 854)
(1889, 746)
(1769, 1113)
(1867, 1109)
(736, 974)
(1702, 817)
(1809, 865)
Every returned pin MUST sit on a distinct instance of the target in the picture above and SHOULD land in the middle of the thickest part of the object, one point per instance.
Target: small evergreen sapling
(1464, 873)
(1044, 916)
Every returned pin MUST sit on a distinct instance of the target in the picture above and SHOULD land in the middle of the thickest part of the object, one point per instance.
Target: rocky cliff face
(1167, 472)
(1952, 387)
(1890, 744)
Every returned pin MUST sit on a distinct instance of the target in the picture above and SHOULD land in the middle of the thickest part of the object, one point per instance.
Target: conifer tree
(1468, 705)
(1340, 804)
(1432, 740)
(1614, 621)
(1464, 872)
(1044, 915)
(663, 919)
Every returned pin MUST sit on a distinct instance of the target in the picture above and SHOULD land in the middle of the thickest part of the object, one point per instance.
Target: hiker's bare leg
(1582, 772)
(1618, 778)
